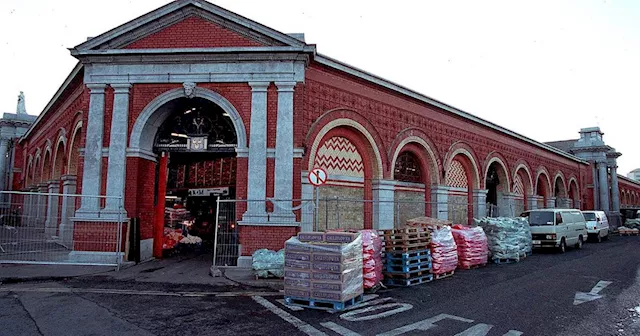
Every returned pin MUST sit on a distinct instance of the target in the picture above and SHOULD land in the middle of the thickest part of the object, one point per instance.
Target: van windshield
(589, 216)
(539, 218)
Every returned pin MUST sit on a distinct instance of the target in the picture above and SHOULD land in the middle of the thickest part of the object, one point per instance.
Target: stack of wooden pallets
(407, 256)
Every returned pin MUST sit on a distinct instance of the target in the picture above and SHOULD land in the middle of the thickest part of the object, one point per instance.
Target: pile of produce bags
(371, 258)
(444, 253)
(266, 262)
(472, 245)
(507, 238)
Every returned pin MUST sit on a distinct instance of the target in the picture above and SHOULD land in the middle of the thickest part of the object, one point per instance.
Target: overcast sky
(544, 69)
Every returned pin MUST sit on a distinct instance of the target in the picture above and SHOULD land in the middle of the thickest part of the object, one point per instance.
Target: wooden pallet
(470, 267)
(405, 230)
(397, 282)
(505, 260)
(443, 275)
(408, 256)
(406, 247)
(425, 265)
(322, 304)
(408, 261)
(407, 275)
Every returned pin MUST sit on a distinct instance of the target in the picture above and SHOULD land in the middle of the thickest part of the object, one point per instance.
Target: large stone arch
(495, 157)
(46, 162)
(460, 169)
(560, 185)
(524, 172)
(349, 119)
(151, 118)
(73, 153)
(543, 186)
(59, 155)
(28, 179)
(574, 192)
(497, 181)
(522, 186)
(37, 167)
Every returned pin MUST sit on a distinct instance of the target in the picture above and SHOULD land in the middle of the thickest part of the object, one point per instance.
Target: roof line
(333, 63)
(55, 97)
(622, 177)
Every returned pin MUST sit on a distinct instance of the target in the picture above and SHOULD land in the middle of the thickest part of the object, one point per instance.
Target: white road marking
(582, 297)
(290, 307)
(480, 329)
(296, 322)
(339, 329)
(135, 292)
(423, 325)
(513, 333)
(351, 316)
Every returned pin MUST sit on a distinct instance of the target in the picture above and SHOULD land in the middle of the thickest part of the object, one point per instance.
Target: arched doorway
(410, 196)
(198, 140)
(559, 192)
(497, 185)
(461, 178)
(542, 190)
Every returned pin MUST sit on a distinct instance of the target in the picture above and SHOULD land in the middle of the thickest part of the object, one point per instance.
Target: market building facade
(191, 98)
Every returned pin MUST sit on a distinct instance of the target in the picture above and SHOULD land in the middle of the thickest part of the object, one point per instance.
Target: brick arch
(359, 136)
(28, 176)
(73, 150)
(46, 162)
(59, 155)
(522, 169)
(563, 186)
(37, 167)
(419, 144)
(501, 161)
(543, 184)
(348, 118)
(464, 153)
(574, 190)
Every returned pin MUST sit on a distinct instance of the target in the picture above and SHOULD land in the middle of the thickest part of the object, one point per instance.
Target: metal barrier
(40, 228)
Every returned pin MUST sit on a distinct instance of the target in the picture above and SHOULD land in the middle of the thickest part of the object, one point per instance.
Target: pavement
(593, 291)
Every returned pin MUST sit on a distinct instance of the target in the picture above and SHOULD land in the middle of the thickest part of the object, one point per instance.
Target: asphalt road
(533, 297)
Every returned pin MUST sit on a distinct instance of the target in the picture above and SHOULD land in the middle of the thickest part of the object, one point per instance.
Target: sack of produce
(266, 262)
(507, 238)
(472, 245)
(444, 253)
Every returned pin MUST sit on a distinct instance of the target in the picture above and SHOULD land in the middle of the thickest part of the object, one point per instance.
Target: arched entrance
(542, 190)
(574, 195)
(461, 178)
(497, 185)
(196, 143)
(560, 192)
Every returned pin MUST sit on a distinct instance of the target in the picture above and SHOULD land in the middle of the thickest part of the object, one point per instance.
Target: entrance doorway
(199, 141)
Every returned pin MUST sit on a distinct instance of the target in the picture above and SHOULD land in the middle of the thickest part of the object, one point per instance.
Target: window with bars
(407, 168)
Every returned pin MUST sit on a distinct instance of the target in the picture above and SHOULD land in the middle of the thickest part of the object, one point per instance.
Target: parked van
(557, 228)
(597, 225)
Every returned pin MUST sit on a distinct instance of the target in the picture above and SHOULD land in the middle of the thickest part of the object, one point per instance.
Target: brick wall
(193, 32)
(98, 236)
(253, 238)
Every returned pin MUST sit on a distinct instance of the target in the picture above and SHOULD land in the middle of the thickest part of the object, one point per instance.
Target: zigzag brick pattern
(338, 156)
(456, 176)
(518, 187)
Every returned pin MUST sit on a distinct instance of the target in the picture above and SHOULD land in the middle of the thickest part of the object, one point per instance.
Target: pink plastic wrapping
(371, 258)
(444, 254)
(472, 245)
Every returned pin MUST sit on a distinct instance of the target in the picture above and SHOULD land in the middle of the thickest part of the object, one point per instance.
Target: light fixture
(179, 135)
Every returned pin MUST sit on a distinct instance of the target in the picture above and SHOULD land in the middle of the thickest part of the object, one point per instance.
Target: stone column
(43, 188)
(51, 224)
(92, 170)
(508, 205)
(479, 203)
(283, 175)
(257, 179)
(308, 209)
(440, 196)
(551, 203)
(116, 171)
(604, 186)
(69, 183)
(596, 187)
(615, 191)
(383, 204)
(532, 202)
(4, 150)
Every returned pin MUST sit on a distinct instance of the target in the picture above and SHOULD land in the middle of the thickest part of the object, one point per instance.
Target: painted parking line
(296, 322)
(135, 292)
(339, 329)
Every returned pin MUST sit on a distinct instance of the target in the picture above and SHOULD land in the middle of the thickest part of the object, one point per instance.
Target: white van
(557, 228)
(597, 225)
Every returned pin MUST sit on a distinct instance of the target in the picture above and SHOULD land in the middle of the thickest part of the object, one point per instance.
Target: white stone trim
(542, 171)
(475, 171)
(145, 127)
(529, 175)
(333, 63)
(433, 169)
(142, 153)
(564, 183)
(504, 167)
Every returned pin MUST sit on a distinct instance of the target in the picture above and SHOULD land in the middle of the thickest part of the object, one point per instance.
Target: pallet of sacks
(324, 270)
(508, 239)
(444, 252)
(407, 256)
(472, 246)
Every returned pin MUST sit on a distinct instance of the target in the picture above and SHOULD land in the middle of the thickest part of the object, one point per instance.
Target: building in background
(12, 127)
(634, 174)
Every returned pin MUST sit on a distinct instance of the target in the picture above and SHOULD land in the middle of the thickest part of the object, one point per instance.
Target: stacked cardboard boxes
(323, 267)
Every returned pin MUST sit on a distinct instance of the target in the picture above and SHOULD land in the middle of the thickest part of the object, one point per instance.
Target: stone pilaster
(508, 205)
(479, 203)
(4, 151)
(615, 190)
(283, 175)
(551, 203)
(383, 204)
(603, 179)
(51, 223)
(116, 171)
(440, 197)
(69, 183)
(257, 174)
(41, 211)
(308, 199)
(92, 169)
(532, 202)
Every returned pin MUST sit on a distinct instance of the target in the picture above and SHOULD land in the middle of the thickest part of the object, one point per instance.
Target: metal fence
(43, 228)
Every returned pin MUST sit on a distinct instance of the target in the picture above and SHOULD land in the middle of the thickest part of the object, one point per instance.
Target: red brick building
(256, 110)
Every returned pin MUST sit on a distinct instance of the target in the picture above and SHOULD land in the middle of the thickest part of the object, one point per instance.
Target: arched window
(407, 168)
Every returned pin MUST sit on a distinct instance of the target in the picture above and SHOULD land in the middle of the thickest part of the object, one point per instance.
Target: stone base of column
(551, 202)
(383, 205)
(480, 203)
(98, 241)
(440, 195)
(532, 202)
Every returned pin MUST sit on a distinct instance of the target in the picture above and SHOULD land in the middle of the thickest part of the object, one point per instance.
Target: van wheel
(563, 246)
(579, 243)
(598, 238)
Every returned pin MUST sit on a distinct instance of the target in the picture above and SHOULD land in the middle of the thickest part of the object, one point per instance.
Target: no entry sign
(317, 176)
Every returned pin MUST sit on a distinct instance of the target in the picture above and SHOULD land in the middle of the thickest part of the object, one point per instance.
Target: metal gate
(41, 228)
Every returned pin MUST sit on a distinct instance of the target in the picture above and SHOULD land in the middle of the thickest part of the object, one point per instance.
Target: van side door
(567, 228)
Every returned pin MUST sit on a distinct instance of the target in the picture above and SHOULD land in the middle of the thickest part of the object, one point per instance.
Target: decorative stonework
(340, 157)
(456, 176)
(189, 89)
(518, 186)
